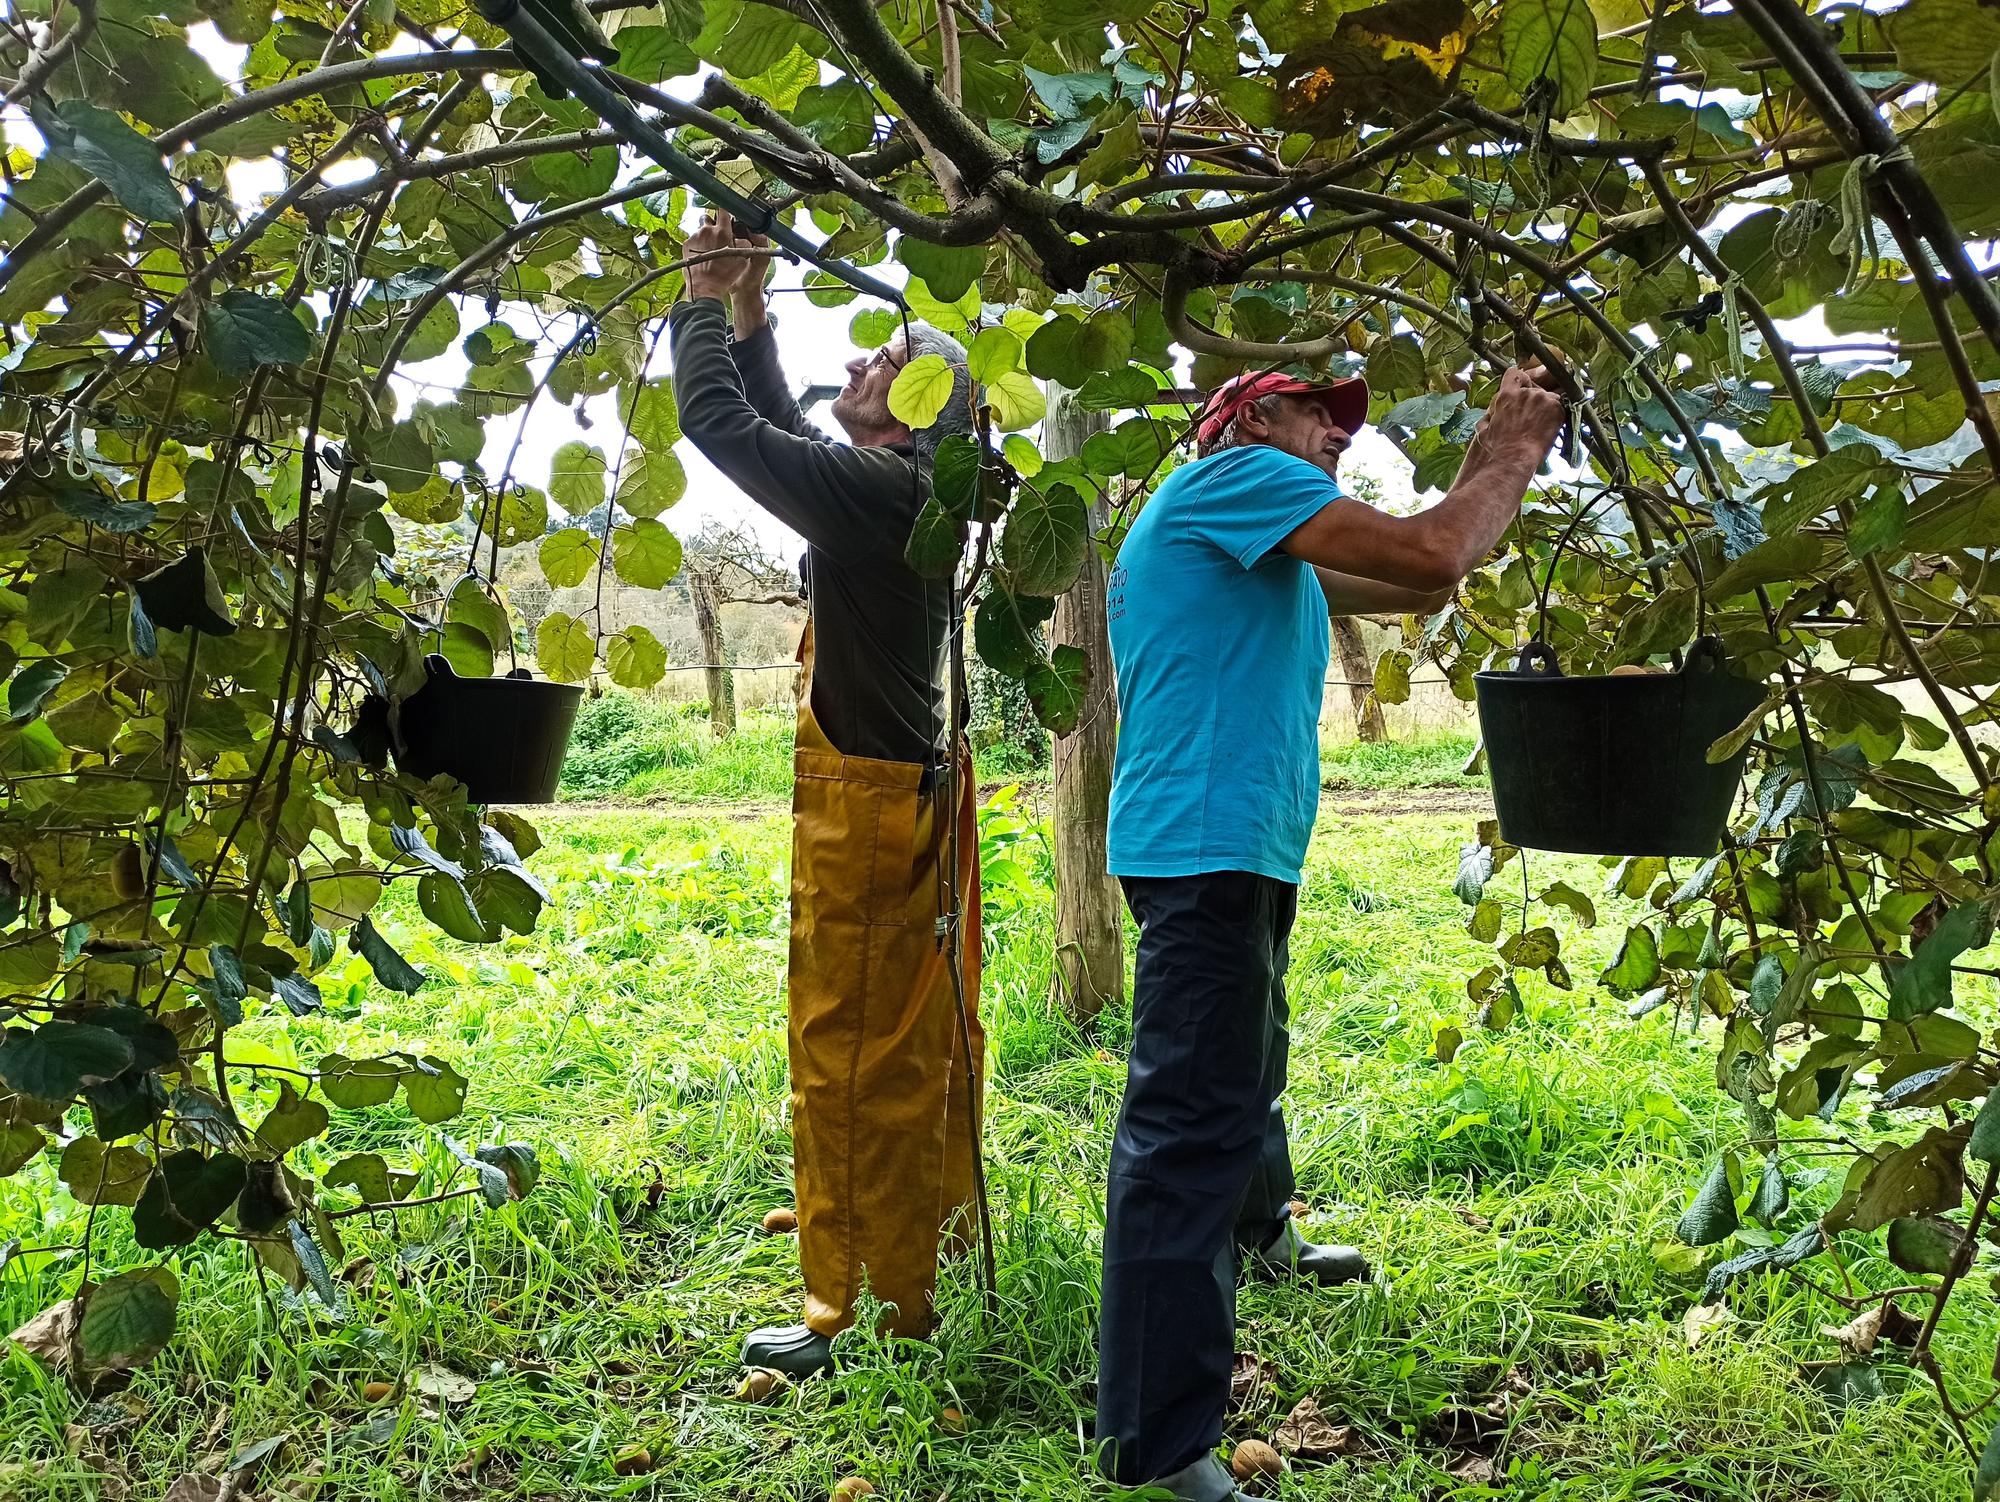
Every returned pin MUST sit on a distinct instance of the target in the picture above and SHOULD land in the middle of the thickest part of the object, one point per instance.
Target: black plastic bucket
(504, 738)
(1615, 765)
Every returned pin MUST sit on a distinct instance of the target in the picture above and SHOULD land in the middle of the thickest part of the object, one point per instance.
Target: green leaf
(567, 557)
(186, 1195)
(390, 968)
(1065, 95)
(948, 270)
(354, 1084)
(1004, 631)
(920, 391)
(1773, 1196)
(1070, 351)
(20, 1144)
(651, 482)
(1015, 401)
(994, 352)
(185, 595)
(1924, 1178)
(1986, 1477)
(1712, 1215)
(1549, 51)
(576, 477)
(97, 1173)
(1658, 626)
(1392, 676)
(1562, 894)
(435, 1095)
(88, 504)
(367, 1174)
(243, 331)
(111, 151)
(1922, 983)
(28, 691)
(1057, 689)
(645, 554)
(1484, 925)
(1475, 865)
(937, 541)
(55, 1060)
(1046, 540)
(292, 1121)
(955, 471)
(1985, 1142)
(1924, 1244)
(447, 903)
(469, 604)
(872, 328)
(1396, 365)
(565, 649)
(517, 1163)
(128, 1319)
(1637, 965)
(655, 423)
(635, 658)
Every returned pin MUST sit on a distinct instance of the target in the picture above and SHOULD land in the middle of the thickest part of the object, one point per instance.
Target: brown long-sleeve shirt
(878, 628)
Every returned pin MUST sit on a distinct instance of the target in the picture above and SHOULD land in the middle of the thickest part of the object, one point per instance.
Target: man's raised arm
(1423, 557)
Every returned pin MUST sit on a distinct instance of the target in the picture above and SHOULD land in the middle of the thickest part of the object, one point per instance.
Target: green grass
(630, 749)
(1431, 760)
(1519, 1202)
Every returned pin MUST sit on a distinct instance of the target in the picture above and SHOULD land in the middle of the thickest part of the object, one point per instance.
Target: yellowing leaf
(919, 392)
(565, 648)
(636, 658)
(1016, 400)
(993, 353)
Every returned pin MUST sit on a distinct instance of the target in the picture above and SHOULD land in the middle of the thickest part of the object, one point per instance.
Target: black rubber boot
(1207, 1480)
(792, 1349)
(1290, 1255)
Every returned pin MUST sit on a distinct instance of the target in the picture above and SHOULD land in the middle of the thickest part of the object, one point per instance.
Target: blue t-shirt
(1220, 641)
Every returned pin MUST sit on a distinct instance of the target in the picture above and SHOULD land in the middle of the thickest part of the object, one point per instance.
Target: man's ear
(1251, 419)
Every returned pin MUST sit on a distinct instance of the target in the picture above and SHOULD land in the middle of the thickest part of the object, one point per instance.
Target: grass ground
(1524, 1339)
(633, 750)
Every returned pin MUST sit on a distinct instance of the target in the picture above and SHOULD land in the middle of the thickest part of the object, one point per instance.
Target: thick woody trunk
(708, 625)
(1360, 675)
(1090, 918)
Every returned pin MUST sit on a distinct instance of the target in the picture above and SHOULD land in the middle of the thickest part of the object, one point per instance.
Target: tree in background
(727, 566)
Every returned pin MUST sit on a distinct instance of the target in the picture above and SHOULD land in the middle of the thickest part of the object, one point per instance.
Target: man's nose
(856, 366)
(1342, 439)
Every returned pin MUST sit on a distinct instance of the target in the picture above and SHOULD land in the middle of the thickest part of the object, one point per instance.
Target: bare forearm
(1352, 594)
(747, 314)
(1485, 498)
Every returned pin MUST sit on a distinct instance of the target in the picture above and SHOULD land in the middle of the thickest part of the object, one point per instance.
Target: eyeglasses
(881, 357)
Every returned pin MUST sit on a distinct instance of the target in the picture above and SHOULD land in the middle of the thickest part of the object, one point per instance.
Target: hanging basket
(504, 738)
(1615, 765)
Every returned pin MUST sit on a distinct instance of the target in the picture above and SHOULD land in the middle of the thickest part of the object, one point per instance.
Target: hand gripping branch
(538, 44)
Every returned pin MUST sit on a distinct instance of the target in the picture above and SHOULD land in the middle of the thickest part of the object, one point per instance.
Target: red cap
(1346, 400)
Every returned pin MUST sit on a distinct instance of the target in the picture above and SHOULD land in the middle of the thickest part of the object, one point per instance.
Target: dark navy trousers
(1200, 1166)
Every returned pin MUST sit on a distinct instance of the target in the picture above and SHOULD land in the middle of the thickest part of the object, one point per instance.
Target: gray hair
(1231, 435)
(956, 415)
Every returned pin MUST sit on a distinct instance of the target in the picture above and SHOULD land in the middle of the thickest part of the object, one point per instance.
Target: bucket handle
(1632, 496)
(1537, 659)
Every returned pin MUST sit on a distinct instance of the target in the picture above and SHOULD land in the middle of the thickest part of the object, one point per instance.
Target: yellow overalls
(882, 1145)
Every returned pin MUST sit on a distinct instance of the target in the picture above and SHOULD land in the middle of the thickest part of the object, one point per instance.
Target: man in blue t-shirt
(1218, 612)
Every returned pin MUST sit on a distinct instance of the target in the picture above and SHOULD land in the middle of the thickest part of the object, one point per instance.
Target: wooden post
(1090, 915)
(708, 626)
(1360, 675)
